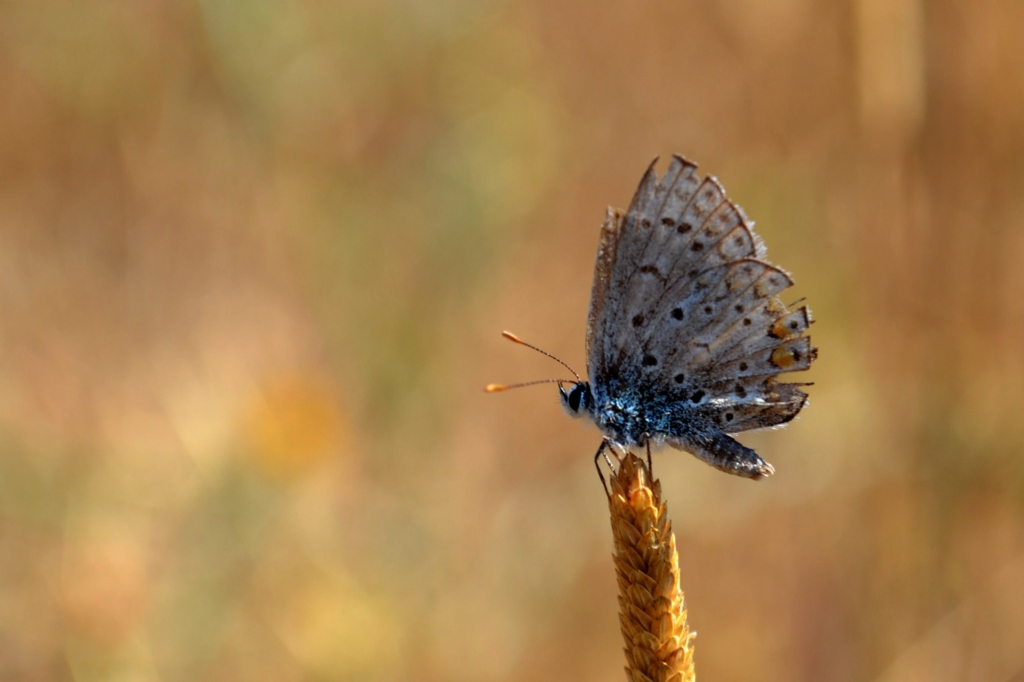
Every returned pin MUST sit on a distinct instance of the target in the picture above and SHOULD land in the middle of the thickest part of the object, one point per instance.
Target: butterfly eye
(574, 398)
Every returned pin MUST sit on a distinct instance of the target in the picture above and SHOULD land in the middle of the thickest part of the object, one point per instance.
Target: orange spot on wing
(782, 357)
(780, 330)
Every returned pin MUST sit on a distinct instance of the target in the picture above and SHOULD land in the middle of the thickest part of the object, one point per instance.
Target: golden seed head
(659, 645)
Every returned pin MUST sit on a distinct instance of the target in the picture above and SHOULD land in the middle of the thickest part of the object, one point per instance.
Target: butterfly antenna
(495, 388)
(512, 337)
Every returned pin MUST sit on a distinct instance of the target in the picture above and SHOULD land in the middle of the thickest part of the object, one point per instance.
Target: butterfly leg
(605, 445)
(650, 467)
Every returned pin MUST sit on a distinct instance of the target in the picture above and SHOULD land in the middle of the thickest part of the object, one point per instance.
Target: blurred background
(254, 262)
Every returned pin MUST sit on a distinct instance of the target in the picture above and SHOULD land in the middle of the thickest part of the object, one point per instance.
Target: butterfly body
(686, 335)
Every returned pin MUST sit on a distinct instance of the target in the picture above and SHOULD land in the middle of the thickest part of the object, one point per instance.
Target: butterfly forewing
(686, 307)
(646, 238)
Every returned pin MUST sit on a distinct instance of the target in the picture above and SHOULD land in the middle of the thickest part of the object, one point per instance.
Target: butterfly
(686, 334)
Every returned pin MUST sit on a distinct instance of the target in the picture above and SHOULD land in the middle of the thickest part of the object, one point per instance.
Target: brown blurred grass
(254, 259)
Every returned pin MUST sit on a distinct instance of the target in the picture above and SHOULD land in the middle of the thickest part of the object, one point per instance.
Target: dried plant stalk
(653, 618)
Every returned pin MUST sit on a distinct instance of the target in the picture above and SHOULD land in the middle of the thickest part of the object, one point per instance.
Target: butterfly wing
(598, 318)
(685, 312)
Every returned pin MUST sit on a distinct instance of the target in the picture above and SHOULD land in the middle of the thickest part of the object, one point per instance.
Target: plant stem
(652, 614)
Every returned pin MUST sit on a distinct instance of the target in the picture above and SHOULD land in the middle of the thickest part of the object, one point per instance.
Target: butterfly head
(578, 400)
